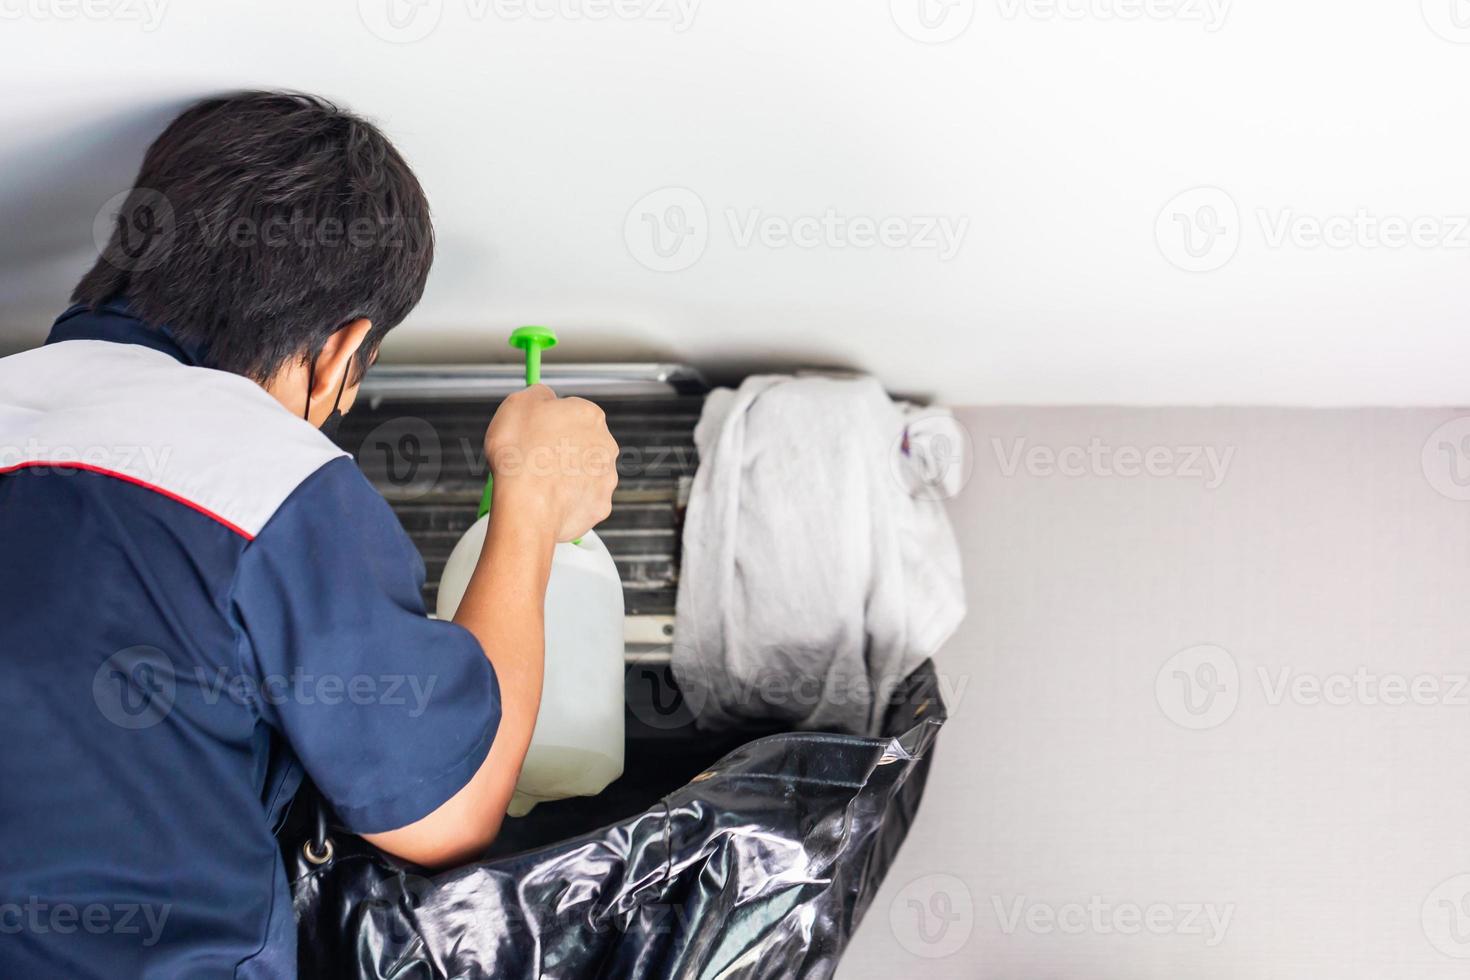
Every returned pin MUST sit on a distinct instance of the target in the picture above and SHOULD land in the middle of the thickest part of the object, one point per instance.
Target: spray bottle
(577, 747)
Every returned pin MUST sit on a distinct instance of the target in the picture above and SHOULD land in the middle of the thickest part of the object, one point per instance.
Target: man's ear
(334, 363)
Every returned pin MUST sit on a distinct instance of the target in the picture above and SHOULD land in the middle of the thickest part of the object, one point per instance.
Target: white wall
(1057, 141)
(1335, 541)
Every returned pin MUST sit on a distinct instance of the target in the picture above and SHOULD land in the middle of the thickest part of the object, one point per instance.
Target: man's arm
(504, 605)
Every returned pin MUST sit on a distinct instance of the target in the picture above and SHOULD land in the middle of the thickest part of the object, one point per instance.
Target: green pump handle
(532, 340)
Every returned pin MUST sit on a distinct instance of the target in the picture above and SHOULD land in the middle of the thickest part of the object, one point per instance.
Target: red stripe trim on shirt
(35, 464)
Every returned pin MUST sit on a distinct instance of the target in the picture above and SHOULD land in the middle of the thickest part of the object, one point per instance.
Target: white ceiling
(1053, 133)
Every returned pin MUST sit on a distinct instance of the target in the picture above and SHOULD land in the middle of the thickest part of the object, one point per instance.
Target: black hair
(259, 224)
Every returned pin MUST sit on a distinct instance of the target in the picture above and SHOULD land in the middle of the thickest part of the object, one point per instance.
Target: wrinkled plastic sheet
(761, 865)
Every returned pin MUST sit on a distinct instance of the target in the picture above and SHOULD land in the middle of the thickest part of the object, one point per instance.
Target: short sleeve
(391, 713)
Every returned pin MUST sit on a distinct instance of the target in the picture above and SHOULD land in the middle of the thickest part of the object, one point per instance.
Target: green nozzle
(532, 340)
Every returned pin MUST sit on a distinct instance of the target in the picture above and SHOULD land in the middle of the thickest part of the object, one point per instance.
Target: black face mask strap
(337, 402)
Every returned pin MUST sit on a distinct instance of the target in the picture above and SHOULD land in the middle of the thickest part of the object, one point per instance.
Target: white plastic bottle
(577, 747)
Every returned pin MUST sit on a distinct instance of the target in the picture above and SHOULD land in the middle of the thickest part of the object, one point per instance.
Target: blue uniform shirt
(200, 596)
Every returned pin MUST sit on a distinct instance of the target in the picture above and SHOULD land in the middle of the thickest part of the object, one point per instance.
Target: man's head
(277, 233)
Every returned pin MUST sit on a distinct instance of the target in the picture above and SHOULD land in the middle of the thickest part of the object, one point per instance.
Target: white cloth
(819, 567)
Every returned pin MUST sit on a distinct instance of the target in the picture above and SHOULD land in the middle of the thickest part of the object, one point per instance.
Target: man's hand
(555, 452)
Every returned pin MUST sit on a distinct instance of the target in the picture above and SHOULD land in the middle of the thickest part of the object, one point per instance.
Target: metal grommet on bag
(319, 849)
(318, 853)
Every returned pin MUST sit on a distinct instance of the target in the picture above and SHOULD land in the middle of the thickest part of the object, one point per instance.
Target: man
(201, 596)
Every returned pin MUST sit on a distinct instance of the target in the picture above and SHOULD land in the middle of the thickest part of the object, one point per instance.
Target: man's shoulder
(212, 440)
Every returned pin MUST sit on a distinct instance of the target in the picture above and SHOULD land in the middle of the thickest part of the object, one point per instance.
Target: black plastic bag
(761, 865)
